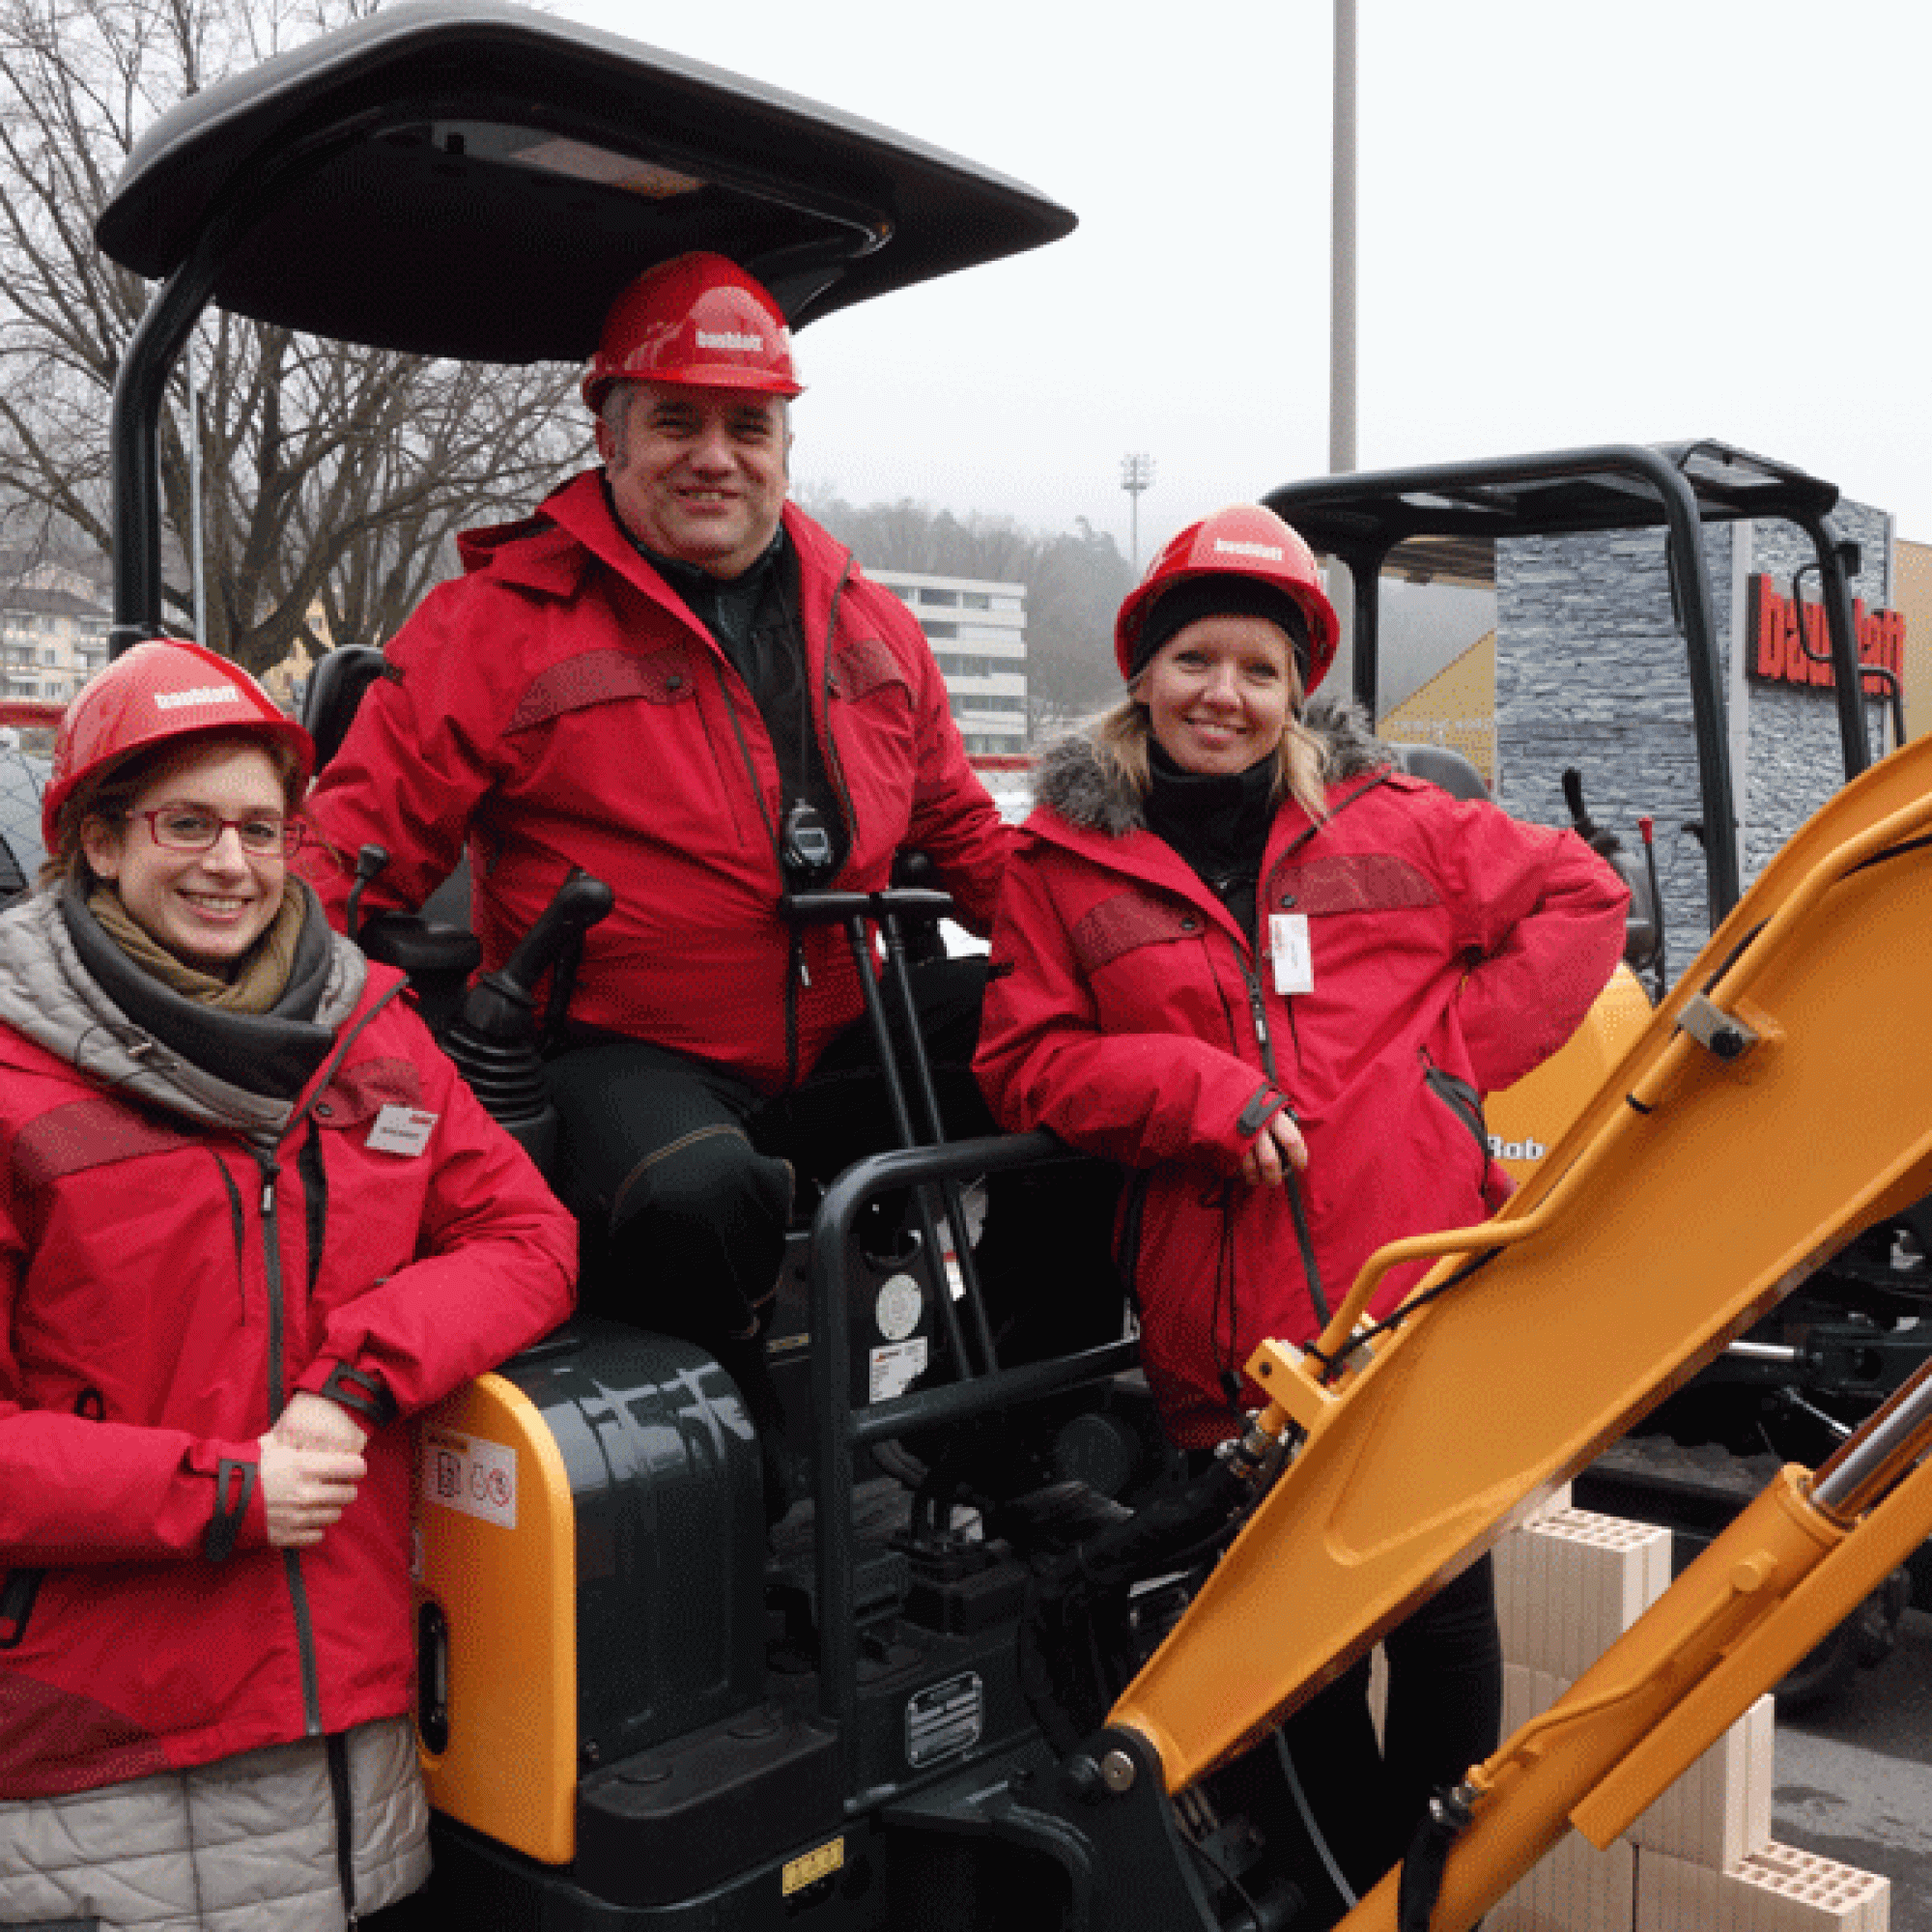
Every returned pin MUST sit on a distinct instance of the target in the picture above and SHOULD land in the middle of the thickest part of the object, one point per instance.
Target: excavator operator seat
(335, 688)
(433, 946)
(1442, 765)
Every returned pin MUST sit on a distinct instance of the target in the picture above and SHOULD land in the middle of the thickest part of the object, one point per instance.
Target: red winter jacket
(1454, 947)
(163, 1289)
(561, 702)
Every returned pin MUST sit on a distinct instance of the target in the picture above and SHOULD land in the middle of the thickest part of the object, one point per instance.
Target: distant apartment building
(978, 634)
(53, 634)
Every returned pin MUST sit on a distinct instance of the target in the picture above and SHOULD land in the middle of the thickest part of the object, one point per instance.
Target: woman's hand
(314, 1422)
(305, 1491)
(1278, 1147)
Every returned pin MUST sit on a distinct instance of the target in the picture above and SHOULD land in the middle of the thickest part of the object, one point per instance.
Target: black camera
(807, 851)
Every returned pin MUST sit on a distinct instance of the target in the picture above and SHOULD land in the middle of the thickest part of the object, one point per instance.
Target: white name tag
(402, 1130)
(1287, 947)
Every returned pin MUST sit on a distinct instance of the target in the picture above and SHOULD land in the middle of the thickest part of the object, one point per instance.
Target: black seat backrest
(1442, 766)
(15, 883)
(424, 945)
(335, 688)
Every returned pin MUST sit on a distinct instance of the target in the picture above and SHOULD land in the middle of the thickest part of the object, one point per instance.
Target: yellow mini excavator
(934, 1702)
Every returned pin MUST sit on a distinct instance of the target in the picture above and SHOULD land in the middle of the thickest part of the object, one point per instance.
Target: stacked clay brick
(1702, 1858)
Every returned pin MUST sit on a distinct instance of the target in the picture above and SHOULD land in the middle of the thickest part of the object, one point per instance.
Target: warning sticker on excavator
(812, 1867)
(896, 1367)
(468, 1473)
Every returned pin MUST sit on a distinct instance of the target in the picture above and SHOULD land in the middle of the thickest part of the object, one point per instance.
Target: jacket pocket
(19, 1590)
(863, 665)
(1124, 921)
(1462, 1100)
(617, 675)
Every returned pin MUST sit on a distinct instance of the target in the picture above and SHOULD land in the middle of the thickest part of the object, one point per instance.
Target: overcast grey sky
(1665, 219)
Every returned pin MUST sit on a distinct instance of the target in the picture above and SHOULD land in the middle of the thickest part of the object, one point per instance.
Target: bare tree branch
(333, 478)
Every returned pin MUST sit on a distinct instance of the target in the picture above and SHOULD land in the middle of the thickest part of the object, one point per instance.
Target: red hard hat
(157, 692)
(1246, 541)
(699, 320)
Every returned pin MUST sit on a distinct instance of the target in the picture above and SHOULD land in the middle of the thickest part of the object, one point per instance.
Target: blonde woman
(1244, 956)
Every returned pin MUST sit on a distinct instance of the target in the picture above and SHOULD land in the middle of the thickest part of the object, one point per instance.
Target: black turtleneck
(1218, 823)
(747, 614)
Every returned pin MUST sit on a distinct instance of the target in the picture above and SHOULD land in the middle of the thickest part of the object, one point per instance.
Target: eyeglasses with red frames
(190, 828)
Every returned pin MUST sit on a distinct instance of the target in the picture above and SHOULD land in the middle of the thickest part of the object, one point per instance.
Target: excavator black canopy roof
(1452, 513)
(478, 180)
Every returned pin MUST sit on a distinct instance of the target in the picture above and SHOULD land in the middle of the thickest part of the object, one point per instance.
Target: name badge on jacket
(1288, 949)
(402, 1130)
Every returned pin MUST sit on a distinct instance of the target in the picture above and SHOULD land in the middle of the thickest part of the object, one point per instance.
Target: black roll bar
(1471, 484)
(1360, 519)
(842, 1431)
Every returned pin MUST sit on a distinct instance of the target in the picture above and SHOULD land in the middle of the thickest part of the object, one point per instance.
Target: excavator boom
(1779, 1102)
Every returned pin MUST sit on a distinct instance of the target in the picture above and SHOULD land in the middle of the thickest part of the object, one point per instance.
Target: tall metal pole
(1136, 474)
(1342, 252)
(194, 502)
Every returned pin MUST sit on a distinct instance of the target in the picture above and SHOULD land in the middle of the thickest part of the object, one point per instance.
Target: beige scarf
(260, 976)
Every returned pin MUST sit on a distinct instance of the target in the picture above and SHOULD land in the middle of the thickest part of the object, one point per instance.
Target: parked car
(23, 776)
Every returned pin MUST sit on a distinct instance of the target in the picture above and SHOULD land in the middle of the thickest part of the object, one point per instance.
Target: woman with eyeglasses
(250, 1220)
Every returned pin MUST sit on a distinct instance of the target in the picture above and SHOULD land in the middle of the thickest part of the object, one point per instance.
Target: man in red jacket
(671, 677)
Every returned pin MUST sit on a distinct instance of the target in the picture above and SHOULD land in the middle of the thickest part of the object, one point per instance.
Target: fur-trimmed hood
(1071, 779)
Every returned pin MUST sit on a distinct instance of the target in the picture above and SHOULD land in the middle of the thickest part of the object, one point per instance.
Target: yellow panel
(1457, 707)
(1526, 1120)
(1647, 1239)
(814, 1866)
(499, 1559)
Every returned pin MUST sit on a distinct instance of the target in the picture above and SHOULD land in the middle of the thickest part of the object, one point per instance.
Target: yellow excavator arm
(1778, 1102)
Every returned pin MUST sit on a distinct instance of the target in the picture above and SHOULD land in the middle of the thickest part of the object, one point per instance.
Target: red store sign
(1777, 657)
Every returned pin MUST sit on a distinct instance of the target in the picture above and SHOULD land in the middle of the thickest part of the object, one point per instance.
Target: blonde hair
(1120, 737)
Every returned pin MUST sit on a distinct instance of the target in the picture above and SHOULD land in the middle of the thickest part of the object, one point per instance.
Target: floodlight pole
(1136, 475)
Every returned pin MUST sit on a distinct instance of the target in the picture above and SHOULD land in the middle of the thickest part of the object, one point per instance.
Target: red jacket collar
(550, 550)
(541, 549)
